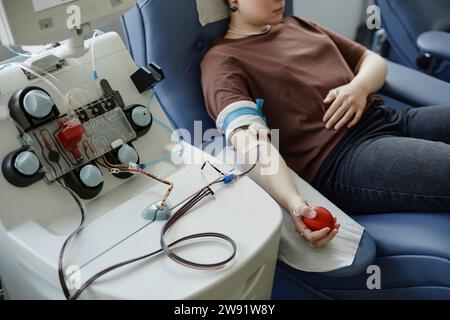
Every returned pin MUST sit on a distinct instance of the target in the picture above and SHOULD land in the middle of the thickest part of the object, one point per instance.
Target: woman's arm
(371, 73)
(350, 101)
(271, 173)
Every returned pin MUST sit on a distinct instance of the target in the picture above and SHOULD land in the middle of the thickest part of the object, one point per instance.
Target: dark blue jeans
(404, 168)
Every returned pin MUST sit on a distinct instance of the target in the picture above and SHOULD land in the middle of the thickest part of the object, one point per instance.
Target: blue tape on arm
(244, 112)
(260, 104)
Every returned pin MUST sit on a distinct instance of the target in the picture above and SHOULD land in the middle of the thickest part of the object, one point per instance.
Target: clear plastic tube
(63, 87)
(180, 152)
(4, 66)
(94, 67)
(26, 55)
(49, 83)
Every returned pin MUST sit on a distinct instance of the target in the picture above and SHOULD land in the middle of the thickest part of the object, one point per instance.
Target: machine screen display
(41, 5)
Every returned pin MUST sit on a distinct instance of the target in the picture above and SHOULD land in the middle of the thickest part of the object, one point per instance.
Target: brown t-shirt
(293, 67)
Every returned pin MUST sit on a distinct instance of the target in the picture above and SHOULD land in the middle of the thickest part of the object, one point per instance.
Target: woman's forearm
(271, 172)
(372, 72)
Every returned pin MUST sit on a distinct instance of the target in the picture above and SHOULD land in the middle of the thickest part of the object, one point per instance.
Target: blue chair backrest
(405, 20)
(169, 33)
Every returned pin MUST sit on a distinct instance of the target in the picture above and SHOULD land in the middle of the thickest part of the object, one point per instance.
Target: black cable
(75, 233)
(188, 263)
(199, 196)
(258, 155)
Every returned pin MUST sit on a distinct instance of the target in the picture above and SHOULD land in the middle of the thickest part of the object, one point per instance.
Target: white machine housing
(35, 221)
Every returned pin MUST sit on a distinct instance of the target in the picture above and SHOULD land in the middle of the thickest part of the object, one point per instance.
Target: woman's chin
(276, 20)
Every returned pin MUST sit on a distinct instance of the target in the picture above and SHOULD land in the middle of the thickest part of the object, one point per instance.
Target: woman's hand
(348, 105)
(317, 239)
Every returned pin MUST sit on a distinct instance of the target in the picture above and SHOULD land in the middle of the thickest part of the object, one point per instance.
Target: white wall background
(342, 16)
(115, 26)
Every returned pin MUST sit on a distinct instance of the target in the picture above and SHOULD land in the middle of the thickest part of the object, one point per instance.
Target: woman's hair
(226, 2)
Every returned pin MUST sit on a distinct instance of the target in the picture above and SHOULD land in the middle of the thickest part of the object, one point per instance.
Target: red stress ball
(323, 219)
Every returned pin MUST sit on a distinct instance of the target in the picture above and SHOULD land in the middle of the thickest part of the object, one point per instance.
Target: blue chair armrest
(436, 43)
(414, 87)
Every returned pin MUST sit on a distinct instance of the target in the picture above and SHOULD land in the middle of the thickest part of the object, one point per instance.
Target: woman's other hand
(348, 104)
